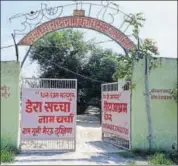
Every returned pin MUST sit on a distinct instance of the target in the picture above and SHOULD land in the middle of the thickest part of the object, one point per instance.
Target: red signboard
(116, 113)
(48, 114)
(78, 22)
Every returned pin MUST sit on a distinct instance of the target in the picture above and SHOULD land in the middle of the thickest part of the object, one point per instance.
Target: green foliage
(159, 159)
(8, 153)
(68, 49)
(147, 48)
(136, 21)
(153, 157)
(65, 48)
(124, 68)
(7, 156)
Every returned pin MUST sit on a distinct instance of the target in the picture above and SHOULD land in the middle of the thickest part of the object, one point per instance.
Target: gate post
(10, 95)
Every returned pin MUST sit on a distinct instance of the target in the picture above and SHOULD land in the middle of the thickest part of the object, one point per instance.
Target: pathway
(91, 150)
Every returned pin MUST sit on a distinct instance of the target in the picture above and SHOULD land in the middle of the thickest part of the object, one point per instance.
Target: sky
(160, 25)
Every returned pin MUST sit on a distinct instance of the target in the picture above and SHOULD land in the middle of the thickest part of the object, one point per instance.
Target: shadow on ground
(88, 123)
(89, 120)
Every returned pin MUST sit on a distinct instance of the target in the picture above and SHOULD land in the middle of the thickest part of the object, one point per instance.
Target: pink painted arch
(78, 22)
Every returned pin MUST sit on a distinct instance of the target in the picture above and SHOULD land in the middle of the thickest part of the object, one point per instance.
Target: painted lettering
(5, 91)
(47, 130)
(46, 119)
(78, 21)
(116, 128)
(108, 117)
(62, 130)
(57, 106)
(33, 106)
(56, 119)
(115, 107)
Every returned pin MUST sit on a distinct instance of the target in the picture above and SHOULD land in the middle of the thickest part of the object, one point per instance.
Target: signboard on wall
(116, 113)
(48, 114)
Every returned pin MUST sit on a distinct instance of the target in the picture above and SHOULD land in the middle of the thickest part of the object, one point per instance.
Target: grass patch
(8, 154)
(159, 159)
(153, 157)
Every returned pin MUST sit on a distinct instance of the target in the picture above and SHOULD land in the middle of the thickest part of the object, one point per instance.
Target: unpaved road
(90, 149)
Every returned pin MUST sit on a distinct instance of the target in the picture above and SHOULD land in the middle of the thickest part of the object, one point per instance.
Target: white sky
(161, 25)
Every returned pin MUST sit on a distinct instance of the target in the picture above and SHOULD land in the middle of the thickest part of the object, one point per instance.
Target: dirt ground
(90, 149)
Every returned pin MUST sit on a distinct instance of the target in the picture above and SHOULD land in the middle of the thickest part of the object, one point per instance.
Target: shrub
(8, 154)
(160, 158)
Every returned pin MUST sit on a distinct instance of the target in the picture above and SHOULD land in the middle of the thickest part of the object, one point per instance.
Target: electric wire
(68, 70)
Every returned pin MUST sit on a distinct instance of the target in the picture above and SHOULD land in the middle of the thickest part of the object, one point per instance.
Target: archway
(77, 22)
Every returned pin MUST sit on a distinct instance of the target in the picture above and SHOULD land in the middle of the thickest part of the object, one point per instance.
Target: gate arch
(76, 22)
(56, 19)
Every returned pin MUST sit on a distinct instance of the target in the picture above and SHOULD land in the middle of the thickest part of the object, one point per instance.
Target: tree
(147, 48)
(101, 66)
(67, 49)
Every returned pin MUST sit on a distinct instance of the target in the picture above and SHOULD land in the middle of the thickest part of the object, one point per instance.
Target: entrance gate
(48, 115)
(116, 126)
(37, 24)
